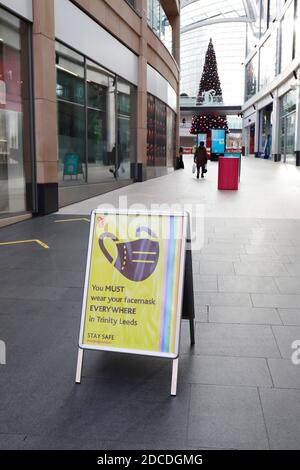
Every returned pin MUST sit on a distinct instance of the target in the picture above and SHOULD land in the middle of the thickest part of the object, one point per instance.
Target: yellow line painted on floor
(71, 220)
(20, 242)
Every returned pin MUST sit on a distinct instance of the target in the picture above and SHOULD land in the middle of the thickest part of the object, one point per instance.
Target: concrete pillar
(297, 130)
(276, 152)
(175, 23)
(245, 133)
(257, 134)
(141, 5)
(45, 106)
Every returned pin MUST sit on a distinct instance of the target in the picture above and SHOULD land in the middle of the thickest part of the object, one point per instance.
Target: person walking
(180, 164)
(201, 159)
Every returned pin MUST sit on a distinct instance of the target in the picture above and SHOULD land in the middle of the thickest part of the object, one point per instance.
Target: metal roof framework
(225, 21)
(208, 12)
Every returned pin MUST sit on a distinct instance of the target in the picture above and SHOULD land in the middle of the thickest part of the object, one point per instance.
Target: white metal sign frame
(173, 356)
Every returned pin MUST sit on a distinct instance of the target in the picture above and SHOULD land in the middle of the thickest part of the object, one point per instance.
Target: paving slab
(268, 268)
(223, 299)
(285, 337)
(205, 283)
(244, 315)
(276, 300)
(282, 414)
(216, 267)
(12, 441)
(288, 285)
(220, 370)
(284, 373)
(290, 316)
(232, 340)
(227, 418)
(247, 284)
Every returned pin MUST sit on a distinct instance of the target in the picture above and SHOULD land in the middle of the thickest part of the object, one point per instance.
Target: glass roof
(195, 11)
(225, 21)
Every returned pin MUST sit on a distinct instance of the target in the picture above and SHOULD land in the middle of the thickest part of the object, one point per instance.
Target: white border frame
(139, 352)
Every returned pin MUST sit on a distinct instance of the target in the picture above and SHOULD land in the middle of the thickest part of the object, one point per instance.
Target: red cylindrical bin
(229, 173)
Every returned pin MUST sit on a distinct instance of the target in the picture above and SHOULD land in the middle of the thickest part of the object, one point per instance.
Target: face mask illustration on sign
(137, 259)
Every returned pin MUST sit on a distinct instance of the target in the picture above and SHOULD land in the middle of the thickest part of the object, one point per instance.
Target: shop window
(70, 92)
(253, 34)
(265, 137)
(288, 126)
(251, 77)
(264, 14)
(297, 29)
(151, 131)
(272, 11)
(16, 184)
(268, 60)
(171, 137)
(288, 102)
(161, 134)
(126, 128)
(101, 117)
(159, 23)
(96, 121)
(287, 37)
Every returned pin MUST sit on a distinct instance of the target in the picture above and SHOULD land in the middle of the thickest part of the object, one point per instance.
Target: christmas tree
(210, 92)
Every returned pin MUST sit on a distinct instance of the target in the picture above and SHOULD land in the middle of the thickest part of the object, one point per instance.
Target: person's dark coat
(201, 157)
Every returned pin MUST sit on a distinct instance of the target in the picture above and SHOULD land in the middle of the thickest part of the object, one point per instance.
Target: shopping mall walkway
(267, 190)
(237, 388)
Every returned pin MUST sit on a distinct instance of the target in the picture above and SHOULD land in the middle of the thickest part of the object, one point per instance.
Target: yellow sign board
(134, 282)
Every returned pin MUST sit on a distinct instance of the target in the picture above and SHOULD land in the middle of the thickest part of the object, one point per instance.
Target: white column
(111, 117)
(276, 151)
(257, 132)
(297, 128)
(245, 138)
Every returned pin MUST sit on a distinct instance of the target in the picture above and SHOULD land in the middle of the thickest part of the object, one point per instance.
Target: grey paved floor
(238, 388)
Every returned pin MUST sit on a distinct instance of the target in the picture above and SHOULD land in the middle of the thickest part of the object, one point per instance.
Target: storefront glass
(287, 37)
(251, 77)
(16, 185)
(171, 137)
(265, 138)
(288, 126)
(297, 28)
(272, 10)
(96, 126)
(250, 140)
(159, 23)
(253, 35)
(101, 116)
(70, 91)
(126, 137)
(264, 16)
(160, 134)
(268, 59)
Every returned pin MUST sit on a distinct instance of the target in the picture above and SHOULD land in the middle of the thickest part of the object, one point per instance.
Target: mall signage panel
(218, 141)
(134, 284)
